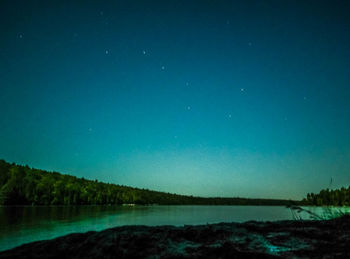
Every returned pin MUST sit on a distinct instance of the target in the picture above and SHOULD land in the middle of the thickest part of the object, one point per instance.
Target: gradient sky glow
(209, 98)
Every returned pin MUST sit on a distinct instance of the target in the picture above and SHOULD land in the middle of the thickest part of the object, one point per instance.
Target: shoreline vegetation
(326, 236)
(22, 185)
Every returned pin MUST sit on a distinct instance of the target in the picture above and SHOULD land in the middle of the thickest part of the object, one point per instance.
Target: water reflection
(20, 225)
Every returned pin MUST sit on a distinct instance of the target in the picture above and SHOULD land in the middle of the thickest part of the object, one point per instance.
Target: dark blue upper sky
(210, 98)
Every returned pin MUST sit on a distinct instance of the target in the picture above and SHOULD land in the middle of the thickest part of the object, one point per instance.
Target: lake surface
(19, 225)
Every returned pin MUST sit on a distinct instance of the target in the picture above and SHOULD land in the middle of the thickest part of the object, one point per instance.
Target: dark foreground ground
(286, 239)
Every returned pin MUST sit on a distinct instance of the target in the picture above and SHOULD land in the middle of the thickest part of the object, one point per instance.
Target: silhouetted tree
(24, 185)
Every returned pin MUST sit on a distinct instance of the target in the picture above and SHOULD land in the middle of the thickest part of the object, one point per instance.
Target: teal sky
(209, 98)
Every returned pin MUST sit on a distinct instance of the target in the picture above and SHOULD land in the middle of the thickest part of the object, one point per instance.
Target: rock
(281, 239)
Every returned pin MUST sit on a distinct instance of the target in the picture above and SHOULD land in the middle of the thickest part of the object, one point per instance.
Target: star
(249, 44)
(188, 107)
(242, 89)
(187, 83)
(20, 36)
(106, 52)
(163, 67)
(144, 52)
(230, 115)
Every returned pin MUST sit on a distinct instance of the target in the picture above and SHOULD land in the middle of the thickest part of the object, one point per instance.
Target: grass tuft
(327, 213)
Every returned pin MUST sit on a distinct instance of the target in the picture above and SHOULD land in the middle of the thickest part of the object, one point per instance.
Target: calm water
(19, 225)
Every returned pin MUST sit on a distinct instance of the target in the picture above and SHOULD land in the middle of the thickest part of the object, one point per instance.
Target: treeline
(327, 197)
(22, 185)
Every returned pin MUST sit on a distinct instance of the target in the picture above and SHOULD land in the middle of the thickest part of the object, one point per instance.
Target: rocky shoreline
(280, 239)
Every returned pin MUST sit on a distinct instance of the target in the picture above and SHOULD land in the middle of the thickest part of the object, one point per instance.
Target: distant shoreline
(150, 205)
(22, 185)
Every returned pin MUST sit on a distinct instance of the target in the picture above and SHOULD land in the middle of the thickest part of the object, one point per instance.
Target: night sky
(209, 98)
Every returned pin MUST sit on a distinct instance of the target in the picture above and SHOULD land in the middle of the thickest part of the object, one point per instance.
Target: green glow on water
(19, 225)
